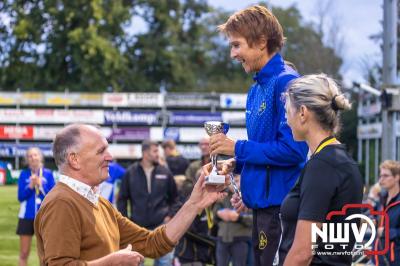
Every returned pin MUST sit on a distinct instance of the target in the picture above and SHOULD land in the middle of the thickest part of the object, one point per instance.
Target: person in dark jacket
(151, 191)
(177, 164)
(389, 179)
(270, 161)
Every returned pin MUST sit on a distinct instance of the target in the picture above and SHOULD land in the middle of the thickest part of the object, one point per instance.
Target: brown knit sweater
(70, 230)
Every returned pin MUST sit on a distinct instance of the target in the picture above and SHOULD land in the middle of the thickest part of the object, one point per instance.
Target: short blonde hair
(392, 166)
(320, 94)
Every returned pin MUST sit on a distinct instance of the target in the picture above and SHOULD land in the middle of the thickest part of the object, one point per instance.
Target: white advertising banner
(234, 118)
(233, 100)
(369, 131)
(51, 116)
(125, 151)
(115, 99)
(145, 100)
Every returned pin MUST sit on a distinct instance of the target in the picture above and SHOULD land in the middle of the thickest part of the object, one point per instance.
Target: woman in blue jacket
(33, 184)
(389, 179)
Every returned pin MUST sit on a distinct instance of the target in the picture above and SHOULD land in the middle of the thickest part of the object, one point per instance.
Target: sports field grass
(9, 241)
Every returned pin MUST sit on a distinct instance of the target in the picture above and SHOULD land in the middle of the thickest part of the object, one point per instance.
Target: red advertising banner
(16, 132)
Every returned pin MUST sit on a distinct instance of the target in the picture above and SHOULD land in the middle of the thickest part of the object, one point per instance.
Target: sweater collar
(273, 66)
(86, 191)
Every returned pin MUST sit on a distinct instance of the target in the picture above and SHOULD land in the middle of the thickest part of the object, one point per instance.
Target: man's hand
(224, 167)
(204, 195)
(123, 257)
(238, 204)
(221, 144)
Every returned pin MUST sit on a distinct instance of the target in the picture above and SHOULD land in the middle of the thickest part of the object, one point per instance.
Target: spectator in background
(234, 232)
(109, 187)
(151, 191)
(33, 185)
(194, 168)
(5, 174)
(196, 248)
(177, 164)
(389, 179)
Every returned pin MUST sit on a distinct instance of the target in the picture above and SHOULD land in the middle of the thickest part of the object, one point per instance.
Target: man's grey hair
(65, 140)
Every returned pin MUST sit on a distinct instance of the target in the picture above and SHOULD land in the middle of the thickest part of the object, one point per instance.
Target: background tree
(89, 45)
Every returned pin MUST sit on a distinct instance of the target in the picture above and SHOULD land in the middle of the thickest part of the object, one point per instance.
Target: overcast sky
(357, 19)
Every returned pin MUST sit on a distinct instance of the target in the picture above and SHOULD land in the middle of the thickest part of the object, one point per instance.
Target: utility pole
(389, 77)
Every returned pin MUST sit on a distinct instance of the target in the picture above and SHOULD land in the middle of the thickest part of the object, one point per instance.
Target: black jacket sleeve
(123, 197)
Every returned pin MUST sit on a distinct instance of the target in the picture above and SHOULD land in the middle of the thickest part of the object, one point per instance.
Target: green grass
(9, 244)
(9, 241)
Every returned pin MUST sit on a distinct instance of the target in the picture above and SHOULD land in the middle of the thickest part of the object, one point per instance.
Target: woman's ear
(262, 44)
(303, 113)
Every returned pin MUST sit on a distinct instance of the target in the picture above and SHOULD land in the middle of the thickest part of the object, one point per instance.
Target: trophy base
(215, 179)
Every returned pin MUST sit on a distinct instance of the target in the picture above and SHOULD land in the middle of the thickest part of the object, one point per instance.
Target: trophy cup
(212, 128)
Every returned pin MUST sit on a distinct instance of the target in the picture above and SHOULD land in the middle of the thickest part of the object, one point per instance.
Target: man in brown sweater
(75, 226)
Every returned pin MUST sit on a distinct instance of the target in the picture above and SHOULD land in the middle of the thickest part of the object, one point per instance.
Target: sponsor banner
(118, 151)
(234, 118)
(191, 100)
(17, 116)
(130, 134)
(369, 110)
(45, 133)
(233, 100)
(172, 133)
(157, 133)
(191, 118)
(145, 100)
(59, 99)
(32, 98)
(51, 116)
(13, 150)
(74, 99)
(192, 134)
(369, 131)
(115, 99)
(191, 152)
(8, 98)
(237, 133)
(16, 132)
(88, 99)
(130, 118)
(125, 151)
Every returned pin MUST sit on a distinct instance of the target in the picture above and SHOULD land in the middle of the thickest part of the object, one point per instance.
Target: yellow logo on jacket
(262, 240)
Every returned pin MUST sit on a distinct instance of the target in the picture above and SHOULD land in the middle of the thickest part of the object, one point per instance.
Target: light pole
(389, 77)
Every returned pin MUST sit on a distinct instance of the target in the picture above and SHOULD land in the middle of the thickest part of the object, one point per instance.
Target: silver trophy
(212, 128)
